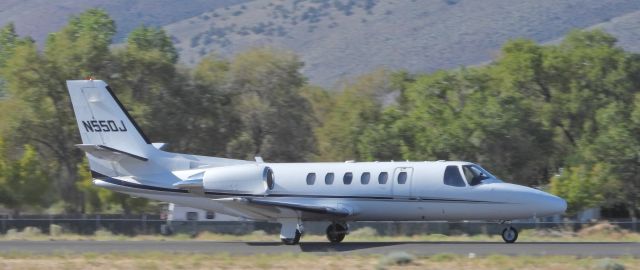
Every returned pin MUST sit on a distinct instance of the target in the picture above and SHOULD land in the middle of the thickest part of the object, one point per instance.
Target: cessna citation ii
(123, 159)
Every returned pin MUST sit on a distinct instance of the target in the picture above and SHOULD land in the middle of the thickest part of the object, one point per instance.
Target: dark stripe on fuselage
(114, 181)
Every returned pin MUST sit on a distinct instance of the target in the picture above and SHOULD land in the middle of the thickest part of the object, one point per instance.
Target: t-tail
(115, 143)
(117, 146)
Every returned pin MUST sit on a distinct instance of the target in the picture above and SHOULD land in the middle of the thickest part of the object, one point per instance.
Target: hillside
(626, 28)
(37, 18)
(339, 38)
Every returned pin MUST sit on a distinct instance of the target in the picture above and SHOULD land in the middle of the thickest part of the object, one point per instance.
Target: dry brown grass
(157, 260)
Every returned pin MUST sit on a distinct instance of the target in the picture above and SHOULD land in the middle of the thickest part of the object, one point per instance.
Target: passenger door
(401, 182)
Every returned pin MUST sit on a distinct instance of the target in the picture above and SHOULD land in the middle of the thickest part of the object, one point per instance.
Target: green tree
(580, 186)
(151, 39)
(272, 109)
(358, 107)
(8, 41)
(25, 181)
(37, 82)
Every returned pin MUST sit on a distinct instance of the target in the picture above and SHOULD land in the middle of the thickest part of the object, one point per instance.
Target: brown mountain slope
(341, 38)
(37, 18)
(626, 28)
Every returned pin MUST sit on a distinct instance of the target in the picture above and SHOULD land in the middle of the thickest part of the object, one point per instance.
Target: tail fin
(115, 143)
(103, 121)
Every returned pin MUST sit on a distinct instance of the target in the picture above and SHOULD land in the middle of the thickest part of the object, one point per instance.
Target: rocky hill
(37, 18)
(339, 39)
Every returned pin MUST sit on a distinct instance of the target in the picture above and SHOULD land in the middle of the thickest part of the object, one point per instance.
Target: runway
(594, 249)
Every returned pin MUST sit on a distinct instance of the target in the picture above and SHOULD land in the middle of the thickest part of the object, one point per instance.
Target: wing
(277, 208)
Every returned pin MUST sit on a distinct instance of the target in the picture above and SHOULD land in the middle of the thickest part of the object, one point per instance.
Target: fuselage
(370, 191)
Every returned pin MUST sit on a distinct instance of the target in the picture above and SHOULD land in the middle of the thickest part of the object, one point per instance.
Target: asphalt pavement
(595, 249)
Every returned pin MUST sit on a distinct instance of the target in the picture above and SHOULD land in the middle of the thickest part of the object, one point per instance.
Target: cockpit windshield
(476, 174)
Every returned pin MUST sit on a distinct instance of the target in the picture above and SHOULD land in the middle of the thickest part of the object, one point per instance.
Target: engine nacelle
(245, 179)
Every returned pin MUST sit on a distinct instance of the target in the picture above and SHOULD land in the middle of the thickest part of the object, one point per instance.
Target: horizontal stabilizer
(108, 153)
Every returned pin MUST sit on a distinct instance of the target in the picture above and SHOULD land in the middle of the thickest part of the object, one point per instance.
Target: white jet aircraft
(123, 159)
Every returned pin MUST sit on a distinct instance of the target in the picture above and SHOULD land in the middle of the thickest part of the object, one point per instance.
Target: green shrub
(12, 233)
(395, 258)
(103, 233)
(609, 264)
(259, 233)
(31, 231)
(364, 232)
(55, 230)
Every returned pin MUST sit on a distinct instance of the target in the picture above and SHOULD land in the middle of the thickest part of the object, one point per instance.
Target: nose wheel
(509, 234)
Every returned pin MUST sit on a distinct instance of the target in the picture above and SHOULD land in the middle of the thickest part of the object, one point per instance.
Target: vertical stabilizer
(103, 121)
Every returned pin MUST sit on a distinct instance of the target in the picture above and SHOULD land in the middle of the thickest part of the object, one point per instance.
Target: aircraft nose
(550, 205)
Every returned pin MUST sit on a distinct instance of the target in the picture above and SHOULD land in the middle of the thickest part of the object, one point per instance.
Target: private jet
(123, 159)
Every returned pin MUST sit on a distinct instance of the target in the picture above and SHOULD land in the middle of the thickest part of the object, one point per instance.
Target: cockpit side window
(475, 174)
(452, 177)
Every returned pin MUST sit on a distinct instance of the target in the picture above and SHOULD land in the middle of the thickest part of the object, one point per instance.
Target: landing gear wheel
(509, 235)
(292, 241)
(336, 233)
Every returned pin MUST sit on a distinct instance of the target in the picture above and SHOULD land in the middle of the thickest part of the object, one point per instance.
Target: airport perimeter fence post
(144, 224)
(4, 224)
(97, 224)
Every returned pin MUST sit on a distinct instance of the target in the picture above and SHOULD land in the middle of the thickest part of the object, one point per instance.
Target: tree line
(563, 117)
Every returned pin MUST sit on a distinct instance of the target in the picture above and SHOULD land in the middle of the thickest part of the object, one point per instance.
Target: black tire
(336, 233)
(509, 235)
(292, 241)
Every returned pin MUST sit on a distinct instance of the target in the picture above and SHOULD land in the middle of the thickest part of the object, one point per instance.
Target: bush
(259, 233)
(609, 264)
(395, 258)
(31, 231)
(103, 233)
(55, 230)
(364, 232)
(12, 233)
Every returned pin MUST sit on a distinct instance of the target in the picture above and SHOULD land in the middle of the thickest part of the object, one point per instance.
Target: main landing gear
(336, 232)
(509, 234)
(291, 231)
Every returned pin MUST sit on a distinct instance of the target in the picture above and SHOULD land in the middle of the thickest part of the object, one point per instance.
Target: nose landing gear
(509, 234)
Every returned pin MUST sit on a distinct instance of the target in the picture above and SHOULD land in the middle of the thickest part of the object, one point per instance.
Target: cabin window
(192, 215)
(402, 178)
(348, 177)
(382, 178)
(328, 179)
(210, 215)
(364, 179)
(311, 178)
(452, 177)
